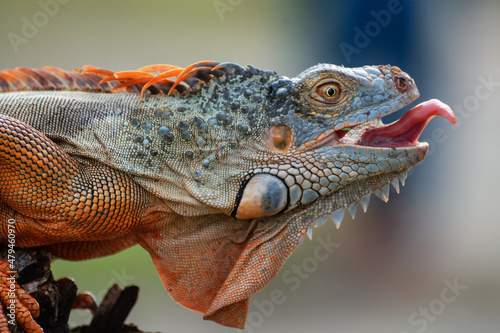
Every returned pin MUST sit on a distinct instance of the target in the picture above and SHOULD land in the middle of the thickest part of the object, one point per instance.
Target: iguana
(219, 171)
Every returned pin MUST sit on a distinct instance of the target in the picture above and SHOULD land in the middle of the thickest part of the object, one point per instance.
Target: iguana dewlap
(219, 173)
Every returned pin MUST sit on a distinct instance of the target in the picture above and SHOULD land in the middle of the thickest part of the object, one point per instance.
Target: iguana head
(319, 145)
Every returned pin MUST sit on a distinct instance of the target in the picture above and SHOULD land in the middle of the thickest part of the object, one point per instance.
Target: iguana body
(219, 174)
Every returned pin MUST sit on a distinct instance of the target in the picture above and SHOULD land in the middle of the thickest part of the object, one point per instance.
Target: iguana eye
(328, 92)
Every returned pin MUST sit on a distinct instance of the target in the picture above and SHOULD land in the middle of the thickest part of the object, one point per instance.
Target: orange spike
(15, 73)
(124, 75)
(158, 68)
(29, 78)
(7, 76)
(160, 77)
(13, 77)
(83, 69)
(181, 77)
(97, 71)
(204, 62)
(131, 83)
(164, 82)
(184, 76)
(216, 67)
(56, 70)
(13, 81)
(109, 79)
(188, 71)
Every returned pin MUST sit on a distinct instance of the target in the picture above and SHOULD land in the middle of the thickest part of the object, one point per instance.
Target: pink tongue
(405, 131)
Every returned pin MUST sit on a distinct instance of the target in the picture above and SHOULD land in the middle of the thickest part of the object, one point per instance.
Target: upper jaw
(376, 91)
(403, 133)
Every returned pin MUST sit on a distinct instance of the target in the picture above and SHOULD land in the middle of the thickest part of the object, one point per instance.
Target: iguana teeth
(337, 216)
(309, 232)
(352, 209)
(379, 194)
(402, 177)
(322, 220)
(387, 190)
(395, 184)
(383, 192)
(365, 200)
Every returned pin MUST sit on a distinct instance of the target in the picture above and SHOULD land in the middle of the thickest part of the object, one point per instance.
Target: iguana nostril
(402, 83)
(263, 195)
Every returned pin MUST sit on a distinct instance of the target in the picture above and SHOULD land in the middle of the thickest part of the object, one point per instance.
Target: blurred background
(429, 260)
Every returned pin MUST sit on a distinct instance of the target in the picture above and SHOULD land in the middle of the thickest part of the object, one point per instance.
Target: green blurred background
(394, 266)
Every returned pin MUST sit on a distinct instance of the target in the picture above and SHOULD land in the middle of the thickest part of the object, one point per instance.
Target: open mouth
(401, 133)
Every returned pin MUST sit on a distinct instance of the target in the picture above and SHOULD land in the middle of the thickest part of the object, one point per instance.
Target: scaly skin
(219, 175)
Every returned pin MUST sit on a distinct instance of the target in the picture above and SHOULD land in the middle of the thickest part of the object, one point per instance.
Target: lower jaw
(335, 210)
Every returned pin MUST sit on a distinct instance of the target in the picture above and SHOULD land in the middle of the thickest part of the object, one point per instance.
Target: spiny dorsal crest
(150, 80)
